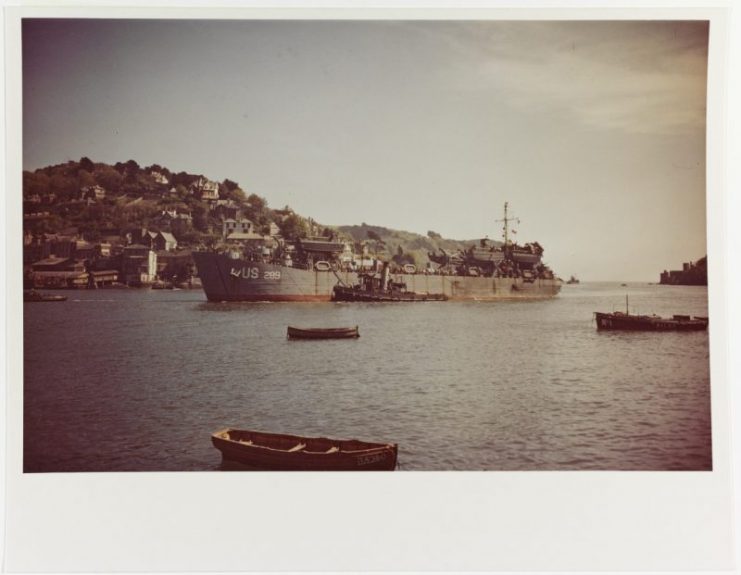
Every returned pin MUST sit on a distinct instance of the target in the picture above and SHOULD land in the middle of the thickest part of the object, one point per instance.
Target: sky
(593, 131)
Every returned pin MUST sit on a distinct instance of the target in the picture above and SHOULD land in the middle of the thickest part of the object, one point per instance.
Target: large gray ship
(309, 269)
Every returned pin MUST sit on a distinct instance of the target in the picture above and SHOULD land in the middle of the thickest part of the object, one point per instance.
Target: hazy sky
(593, 131)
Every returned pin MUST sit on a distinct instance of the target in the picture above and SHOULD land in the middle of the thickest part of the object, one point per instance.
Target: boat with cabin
(381, 288)
(618, 320)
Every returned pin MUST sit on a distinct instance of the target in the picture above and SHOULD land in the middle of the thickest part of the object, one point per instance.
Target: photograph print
(365, 245)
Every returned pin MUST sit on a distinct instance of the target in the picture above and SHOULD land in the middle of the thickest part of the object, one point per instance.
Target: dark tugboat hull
(355, 295)
(627, 322)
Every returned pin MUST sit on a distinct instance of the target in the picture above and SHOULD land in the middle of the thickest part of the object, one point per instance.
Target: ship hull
(227, 279)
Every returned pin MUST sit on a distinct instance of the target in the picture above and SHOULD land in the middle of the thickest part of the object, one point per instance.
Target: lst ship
(308, 269)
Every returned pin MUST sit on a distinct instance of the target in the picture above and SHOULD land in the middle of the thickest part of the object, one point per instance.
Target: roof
(137, 247)
(245, 236)
(50, 261)
(66, 274)
(168, 236)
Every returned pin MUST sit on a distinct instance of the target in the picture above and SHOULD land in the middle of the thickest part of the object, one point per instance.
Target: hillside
(401, 246)
(96, 200)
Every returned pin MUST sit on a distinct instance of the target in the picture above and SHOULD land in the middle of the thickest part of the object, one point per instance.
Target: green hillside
(100, 200)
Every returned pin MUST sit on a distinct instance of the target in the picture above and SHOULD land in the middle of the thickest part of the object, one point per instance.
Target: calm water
(136, 380)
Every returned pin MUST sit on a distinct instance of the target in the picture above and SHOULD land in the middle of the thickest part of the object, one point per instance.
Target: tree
(434, 235)
(374, 236)
(293, 227)
(230, 185)
(64, 187)
(256, 202)
(35, 183)
(235, 194)
(85, 179)
(108, 177)
(87, 164)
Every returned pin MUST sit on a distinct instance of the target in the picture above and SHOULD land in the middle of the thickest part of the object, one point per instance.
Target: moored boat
(624, 321)
(34, 295)
(323, 332)
(381, 288)
(618, 320)
(309, 269)
(281, 452)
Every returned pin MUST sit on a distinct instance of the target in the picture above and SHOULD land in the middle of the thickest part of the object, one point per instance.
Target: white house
(230, 226)
(207, 189)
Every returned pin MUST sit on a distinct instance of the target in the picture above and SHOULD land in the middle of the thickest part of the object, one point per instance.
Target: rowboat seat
(333, 449)
(297, 447)
(246, 441)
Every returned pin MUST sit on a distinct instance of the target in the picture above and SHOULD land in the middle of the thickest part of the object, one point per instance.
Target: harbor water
(137, 380)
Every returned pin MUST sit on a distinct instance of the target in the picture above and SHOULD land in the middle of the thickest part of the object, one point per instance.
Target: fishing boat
(279, 452)
(34, 295)
(323, 332)
(632, 322)
(572, 280)
(308, 270)
(381, 288)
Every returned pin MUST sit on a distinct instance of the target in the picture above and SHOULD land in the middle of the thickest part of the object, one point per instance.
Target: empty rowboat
(323, 332)
(279, 452)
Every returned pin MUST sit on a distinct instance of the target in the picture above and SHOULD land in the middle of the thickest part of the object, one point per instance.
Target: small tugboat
(278, 452)
(375, 288)
(323, 332)
(626, 321)
(33, 295)
(572, 280)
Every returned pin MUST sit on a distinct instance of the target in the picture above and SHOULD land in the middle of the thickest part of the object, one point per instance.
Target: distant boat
(572, 280)
(630, 322)
(34, 295)
(279, 452)
(323, 332)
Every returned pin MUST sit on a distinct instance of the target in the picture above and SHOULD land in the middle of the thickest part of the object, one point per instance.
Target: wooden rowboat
(323, 332)
(278, 452)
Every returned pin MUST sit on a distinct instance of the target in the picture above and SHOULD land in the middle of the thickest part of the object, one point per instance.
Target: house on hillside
(159, 178)
(141, 236)
(95, 192)
(85, 250)
(228, 209)
(241, 226)
(205, 189)
(138, 265)
(164, 241)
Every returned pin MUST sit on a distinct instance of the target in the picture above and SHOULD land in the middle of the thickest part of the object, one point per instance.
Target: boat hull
(342, 293)
(227, 279)
(625, 322)
(323, 333)
(273, 452)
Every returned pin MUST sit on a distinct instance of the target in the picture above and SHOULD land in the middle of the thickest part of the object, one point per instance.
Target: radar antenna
(506, 222)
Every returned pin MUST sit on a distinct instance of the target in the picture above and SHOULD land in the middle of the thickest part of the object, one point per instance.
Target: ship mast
(506, 221)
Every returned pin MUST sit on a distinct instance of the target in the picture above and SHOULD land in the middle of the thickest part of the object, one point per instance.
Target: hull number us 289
(254, 273)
